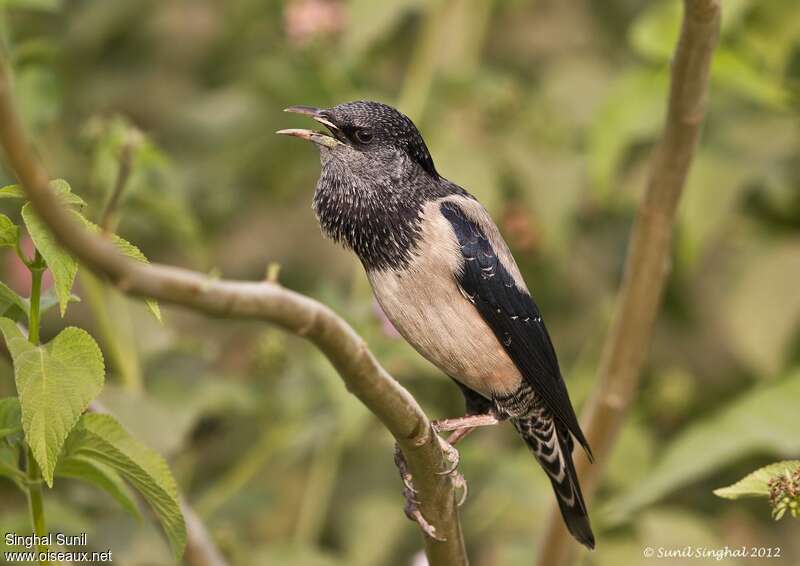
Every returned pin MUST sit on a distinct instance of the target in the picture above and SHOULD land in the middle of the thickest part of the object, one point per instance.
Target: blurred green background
(547, 111)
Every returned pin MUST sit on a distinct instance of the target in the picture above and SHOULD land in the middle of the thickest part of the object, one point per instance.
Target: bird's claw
(411, 507)
(413, 513)
(460, 483)
(452, 456)
(402, 467)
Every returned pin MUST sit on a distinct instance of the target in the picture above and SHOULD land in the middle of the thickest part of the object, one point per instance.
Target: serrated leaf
(64, 193)
(756, 483)
(59, 186)
(100, 475)
(130, 250)
(49, 299)
(102, 438)
(127, 249)
(10, 417)
(762, 421)
(12, 305)
(56, 382)
(9, 233)
(62, 265)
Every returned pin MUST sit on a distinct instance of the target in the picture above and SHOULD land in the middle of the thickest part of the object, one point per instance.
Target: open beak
(318, 138)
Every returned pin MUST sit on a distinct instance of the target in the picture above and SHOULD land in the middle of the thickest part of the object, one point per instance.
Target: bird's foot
(451, 455)
(402, 467)
(453, 458)
(411, 507)
(459, 428)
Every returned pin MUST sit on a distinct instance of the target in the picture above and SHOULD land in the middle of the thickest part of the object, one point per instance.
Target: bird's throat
(381, 224)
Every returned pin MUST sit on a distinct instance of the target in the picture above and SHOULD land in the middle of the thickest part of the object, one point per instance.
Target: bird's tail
(552, 447)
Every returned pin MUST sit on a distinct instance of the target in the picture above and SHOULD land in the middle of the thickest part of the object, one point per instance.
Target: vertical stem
(37, 268)
(647, 264)
(35, 495)
(36, 503)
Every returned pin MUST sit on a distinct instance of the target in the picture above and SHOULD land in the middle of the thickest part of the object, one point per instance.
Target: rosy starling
(446, 279)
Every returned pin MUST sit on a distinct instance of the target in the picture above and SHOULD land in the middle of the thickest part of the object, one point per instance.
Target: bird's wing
(511, 313)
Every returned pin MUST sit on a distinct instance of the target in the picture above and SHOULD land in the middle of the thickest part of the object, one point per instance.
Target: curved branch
(647, 264)
(362, 374)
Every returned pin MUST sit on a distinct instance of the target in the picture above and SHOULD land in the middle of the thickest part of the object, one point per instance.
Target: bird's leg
(460, 428)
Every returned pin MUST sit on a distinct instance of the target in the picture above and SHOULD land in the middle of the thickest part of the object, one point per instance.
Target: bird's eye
(363, 135)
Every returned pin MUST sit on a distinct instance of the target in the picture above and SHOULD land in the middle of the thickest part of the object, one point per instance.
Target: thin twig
(391, 403)
(123, 174)
(200, 548)
(647, 265)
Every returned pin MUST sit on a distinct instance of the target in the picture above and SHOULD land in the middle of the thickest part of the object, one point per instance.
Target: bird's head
(366, 139)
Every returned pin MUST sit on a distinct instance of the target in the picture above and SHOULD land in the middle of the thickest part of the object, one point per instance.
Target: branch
(648, 261)
(391, 403)
(200, 548)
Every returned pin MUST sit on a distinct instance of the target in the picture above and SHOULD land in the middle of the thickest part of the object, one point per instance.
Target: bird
(446, 279)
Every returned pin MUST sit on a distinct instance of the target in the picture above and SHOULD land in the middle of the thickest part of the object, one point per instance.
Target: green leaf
(162, 427)
(102, 438)
(372, 21)
(761, 421)
(59, 186)
(654, 31)
(12, 191)
(129, 250)
(64, 193)
(12, 305)
(62, 265)
(9, 233)
(756, 484)
(760, 311)
(733, 70)
(10, 417)
(49, 299)
(9, 456)
(631, 113)
(56, 383)
(100, 475)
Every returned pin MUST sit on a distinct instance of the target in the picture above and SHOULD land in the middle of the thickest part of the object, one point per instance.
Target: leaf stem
(18, 248)
(34, 484)
(36, 503)
(37, 268)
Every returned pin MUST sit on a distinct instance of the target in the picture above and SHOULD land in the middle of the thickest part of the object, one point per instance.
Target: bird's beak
(318, 138)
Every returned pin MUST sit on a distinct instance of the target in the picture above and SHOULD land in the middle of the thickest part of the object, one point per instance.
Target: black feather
(552, 445)
(513, 316)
